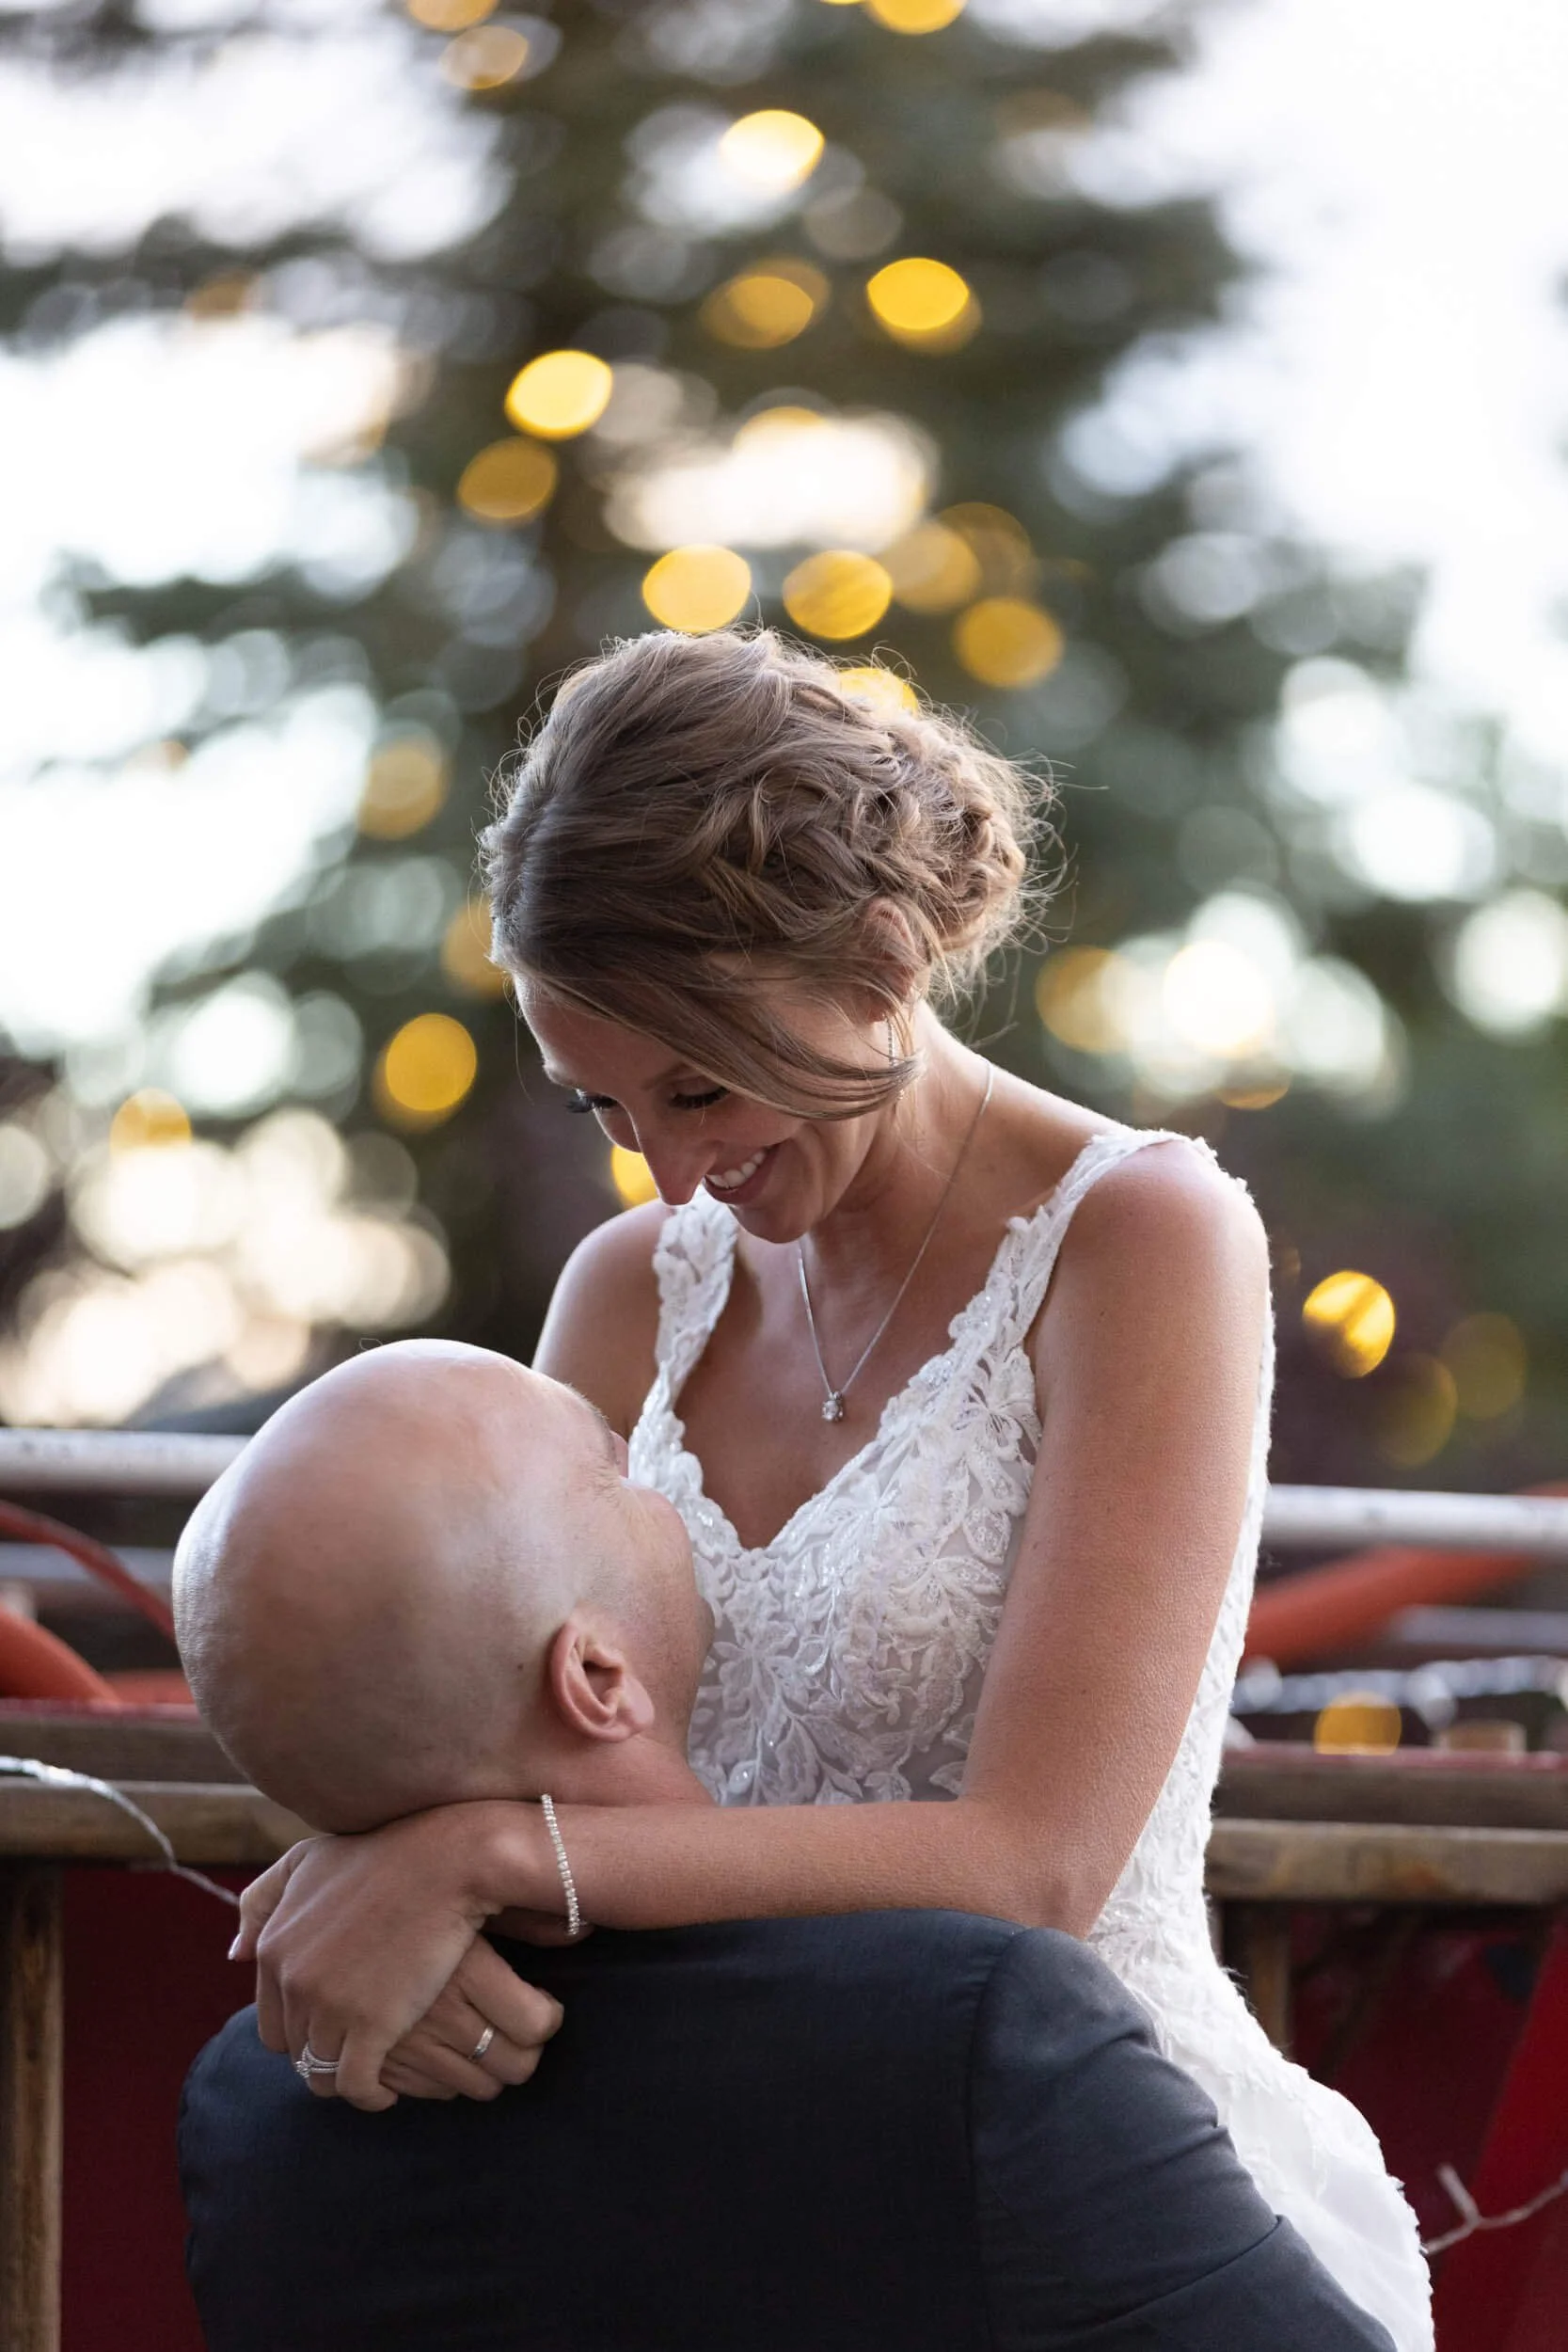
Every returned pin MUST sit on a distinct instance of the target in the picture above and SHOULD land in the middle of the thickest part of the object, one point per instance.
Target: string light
(148, 1119)
(509, 481)
(915, 16)
(560, 394)
(696, 589)
(425, 1070)
(1352, 1317)
(486, 57)
(1006, 641)
(837, 593)
(765, 306)
(773, 148)
(405, 784)
(923, 304)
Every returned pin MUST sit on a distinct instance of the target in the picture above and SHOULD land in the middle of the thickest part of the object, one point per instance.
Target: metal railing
(172, 1463)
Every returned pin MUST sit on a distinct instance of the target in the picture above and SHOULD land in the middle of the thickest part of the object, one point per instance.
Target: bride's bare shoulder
(601, 1332)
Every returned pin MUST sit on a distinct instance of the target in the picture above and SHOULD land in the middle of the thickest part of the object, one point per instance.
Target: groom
(426, 1581)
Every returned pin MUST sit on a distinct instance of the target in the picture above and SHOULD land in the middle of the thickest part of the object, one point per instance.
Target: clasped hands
(368, 1948)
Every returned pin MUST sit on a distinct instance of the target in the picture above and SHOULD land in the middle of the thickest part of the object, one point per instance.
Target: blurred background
(1180, 390)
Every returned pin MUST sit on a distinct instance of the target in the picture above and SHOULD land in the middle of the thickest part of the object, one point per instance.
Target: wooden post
(31, 2023)
(1258, 1948)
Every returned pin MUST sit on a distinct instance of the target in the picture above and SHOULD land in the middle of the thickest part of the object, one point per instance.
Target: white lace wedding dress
(847, 1660)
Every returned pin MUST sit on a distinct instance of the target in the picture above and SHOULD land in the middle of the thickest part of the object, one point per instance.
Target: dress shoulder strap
(693, 1262)
(1040, 1233)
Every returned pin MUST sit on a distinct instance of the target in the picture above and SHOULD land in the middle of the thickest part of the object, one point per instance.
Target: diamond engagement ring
(481, 2046)
(308, 2063)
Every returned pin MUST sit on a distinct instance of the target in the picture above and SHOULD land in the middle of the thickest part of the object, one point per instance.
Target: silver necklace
(833, 1408)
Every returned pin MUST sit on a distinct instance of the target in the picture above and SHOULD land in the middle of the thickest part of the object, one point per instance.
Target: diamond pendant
(833, 1409)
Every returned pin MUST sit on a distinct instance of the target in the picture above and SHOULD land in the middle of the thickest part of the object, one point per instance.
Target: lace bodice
(850, 1652)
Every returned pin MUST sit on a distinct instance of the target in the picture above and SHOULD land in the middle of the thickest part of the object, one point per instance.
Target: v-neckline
(1014, 1228)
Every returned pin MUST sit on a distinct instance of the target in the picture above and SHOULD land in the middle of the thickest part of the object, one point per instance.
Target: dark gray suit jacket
(911, 2130)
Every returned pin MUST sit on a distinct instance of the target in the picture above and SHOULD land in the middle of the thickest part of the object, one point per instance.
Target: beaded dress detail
(847, 1666)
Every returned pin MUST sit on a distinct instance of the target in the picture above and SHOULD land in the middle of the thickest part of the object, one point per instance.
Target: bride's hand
(355, 1938)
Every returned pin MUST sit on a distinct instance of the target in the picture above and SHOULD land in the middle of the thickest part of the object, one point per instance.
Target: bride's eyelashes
(582, 1103)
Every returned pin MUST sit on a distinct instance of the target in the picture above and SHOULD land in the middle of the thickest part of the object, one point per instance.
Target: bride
(962, 1391)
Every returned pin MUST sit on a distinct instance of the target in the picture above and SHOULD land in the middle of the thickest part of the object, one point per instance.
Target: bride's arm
(1147, 1362)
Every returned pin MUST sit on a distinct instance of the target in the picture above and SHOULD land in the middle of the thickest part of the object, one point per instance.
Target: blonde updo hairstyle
(700, 817)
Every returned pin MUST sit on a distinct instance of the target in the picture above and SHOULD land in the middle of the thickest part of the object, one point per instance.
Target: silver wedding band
(308, 2063)
(481, 2046)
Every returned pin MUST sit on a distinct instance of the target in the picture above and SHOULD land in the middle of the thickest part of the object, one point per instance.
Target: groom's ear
(592, 1688)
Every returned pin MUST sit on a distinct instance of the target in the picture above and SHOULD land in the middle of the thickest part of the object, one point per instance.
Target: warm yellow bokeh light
(1416, 1403)
(559, 393)
(1261, 1096)
(404, 785)
(1219, 999)
(1352, 1317)
(784, 422)
(765, 306)
(466, 952)
(933, 570)
(1006, 641)
(999, 544)
(773, 149)
(698, 588)
(868, 682)
(837, 593)
(449, 16)
(923, 303)
(486, 57)
(1487, 1357)
(630, 1175)
(425, 1070)
(1358, 1723)
(149, 1118)
(510, 482)
(915, 16)
(1074, 996)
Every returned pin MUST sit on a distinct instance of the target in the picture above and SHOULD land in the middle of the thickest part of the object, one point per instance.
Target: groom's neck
(643, 1771)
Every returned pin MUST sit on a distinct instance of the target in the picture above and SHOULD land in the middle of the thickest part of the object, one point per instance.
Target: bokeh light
(26, 1175)
(923, 304)
(697, 588)
(425, 1070)
(763, 308)
(1351, 1317)
(148, 1119)
(884, 689)
(466, 952)
(915, 16)
(1414, 1409)
(933, 568)
(1075, 995)
(1218, 998)
(772, 150)
(632, 1176)
(486, 58)
(787, 476)
(1006, 641)
(509, 481)
(1508, 967)
(449, 16)
(1357, 1722)
(1488, 1359)
(999, 544)
(561, 393)
(838, 594)
(405, 784)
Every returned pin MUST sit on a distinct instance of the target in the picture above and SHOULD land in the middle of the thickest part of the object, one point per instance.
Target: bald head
(366, 1601)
